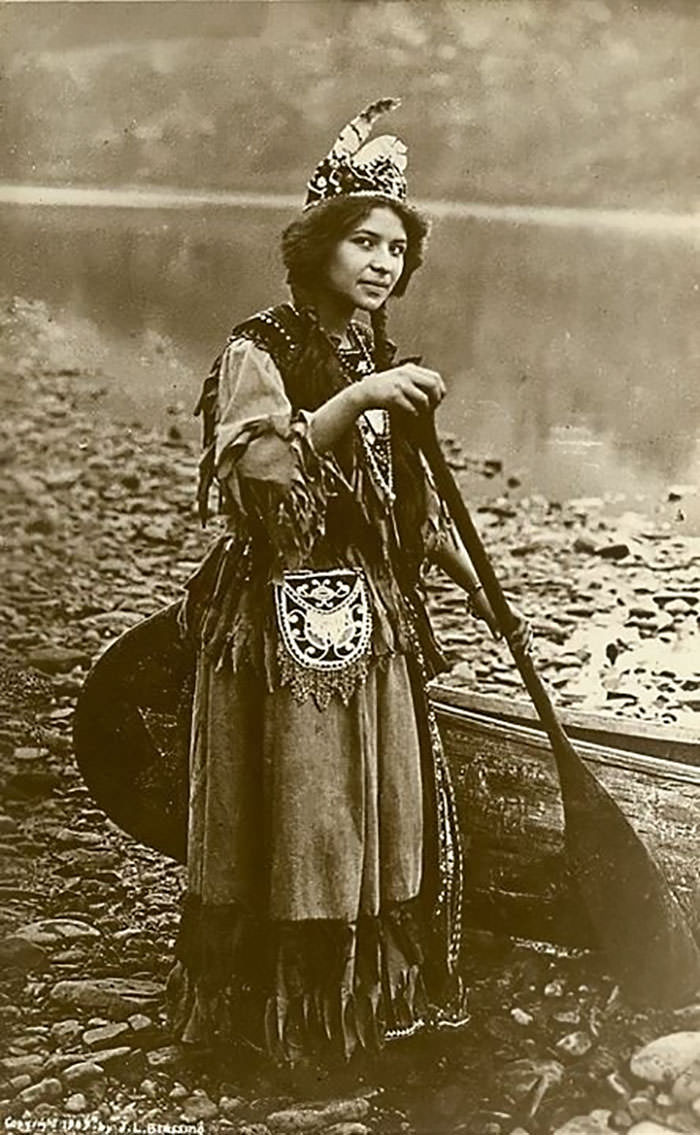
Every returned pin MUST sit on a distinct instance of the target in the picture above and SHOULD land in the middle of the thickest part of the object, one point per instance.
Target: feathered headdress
(358, 168)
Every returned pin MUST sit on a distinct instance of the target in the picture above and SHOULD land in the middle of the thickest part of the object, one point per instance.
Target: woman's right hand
(408, 387)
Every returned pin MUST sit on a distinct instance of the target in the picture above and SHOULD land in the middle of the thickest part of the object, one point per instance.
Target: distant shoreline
(630, 220)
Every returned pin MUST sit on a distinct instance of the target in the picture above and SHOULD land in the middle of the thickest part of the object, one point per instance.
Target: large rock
(115, 997)
(662, 1060)
(56, 931)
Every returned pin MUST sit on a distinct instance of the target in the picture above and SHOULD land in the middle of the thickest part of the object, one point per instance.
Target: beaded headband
(358, 168)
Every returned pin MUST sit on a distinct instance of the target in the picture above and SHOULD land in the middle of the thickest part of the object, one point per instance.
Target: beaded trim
(376, 440)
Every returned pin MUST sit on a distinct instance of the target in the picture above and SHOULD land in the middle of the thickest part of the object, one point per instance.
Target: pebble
(650, 1127)
(228, 1105)
(363, 1129)
(106, 1036)
(663, 1059)
(85, 1072)
(46, 1091)
(554, 989)
(55, 931)
(575, 1044)
(57, 659)
(166, 1057)
(521, 1017)
(199, 1106)
(117, 997)
(21, 1065)
(613, 551)
(16, 1084)
(295, 1119)
(139, 1022)
(592, 1124)
(129, 1064)
(640, 1107)
(24, 955)
(76, 1103)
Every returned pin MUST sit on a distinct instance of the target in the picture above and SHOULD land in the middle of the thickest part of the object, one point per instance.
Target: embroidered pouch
(324, 620)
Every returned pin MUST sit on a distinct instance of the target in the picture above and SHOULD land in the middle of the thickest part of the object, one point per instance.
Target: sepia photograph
(350, 567)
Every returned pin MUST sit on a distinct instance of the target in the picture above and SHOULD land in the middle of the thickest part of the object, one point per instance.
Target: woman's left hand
(520, 637)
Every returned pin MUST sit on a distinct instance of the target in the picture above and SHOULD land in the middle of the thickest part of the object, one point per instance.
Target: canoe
(511, 816)
(130, 736)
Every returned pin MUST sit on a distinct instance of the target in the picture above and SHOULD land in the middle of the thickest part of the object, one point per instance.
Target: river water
(570, 340)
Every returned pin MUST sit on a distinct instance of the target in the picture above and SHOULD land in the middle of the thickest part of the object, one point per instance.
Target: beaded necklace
(373, 425)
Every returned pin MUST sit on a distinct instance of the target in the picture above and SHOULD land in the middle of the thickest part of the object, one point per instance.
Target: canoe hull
(511, 815)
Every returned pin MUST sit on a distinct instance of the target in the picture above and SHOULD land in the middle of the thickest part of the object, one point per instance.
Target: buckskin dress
(324, 863)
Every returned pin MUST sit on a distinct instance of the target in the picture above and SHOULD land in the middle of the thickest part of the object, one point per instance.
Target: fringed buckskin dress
(324, 864)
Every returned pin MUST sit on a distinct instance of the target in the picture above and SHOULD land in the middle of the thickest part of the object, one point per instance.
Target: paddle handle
(450, 492)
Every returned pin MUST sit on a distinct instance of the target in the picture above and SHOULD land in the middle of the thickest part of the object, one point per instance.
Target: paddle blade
(640, 924)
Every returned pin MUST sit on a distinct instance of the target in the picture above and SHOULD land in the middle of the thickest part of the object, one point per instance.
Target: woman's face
(367, 263)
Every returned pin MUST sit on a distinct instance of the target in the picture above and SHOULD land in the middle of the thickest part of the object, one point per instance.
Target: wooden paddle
(639, 923)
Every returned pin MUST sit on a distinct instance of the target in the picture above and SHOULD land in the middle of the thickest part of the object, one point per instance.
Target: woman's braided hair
(307, 245)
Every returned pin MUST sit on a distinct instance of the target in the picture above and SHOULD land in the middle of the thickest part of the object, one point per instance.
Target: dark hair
(307, 244)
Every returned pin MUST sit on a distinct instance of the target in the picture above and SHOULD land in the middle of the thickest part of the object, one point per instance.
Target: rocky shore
(99, 530)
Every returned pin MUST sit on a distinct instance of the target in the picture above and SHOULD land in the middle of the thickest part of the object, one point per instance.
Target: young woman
(324, 861)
